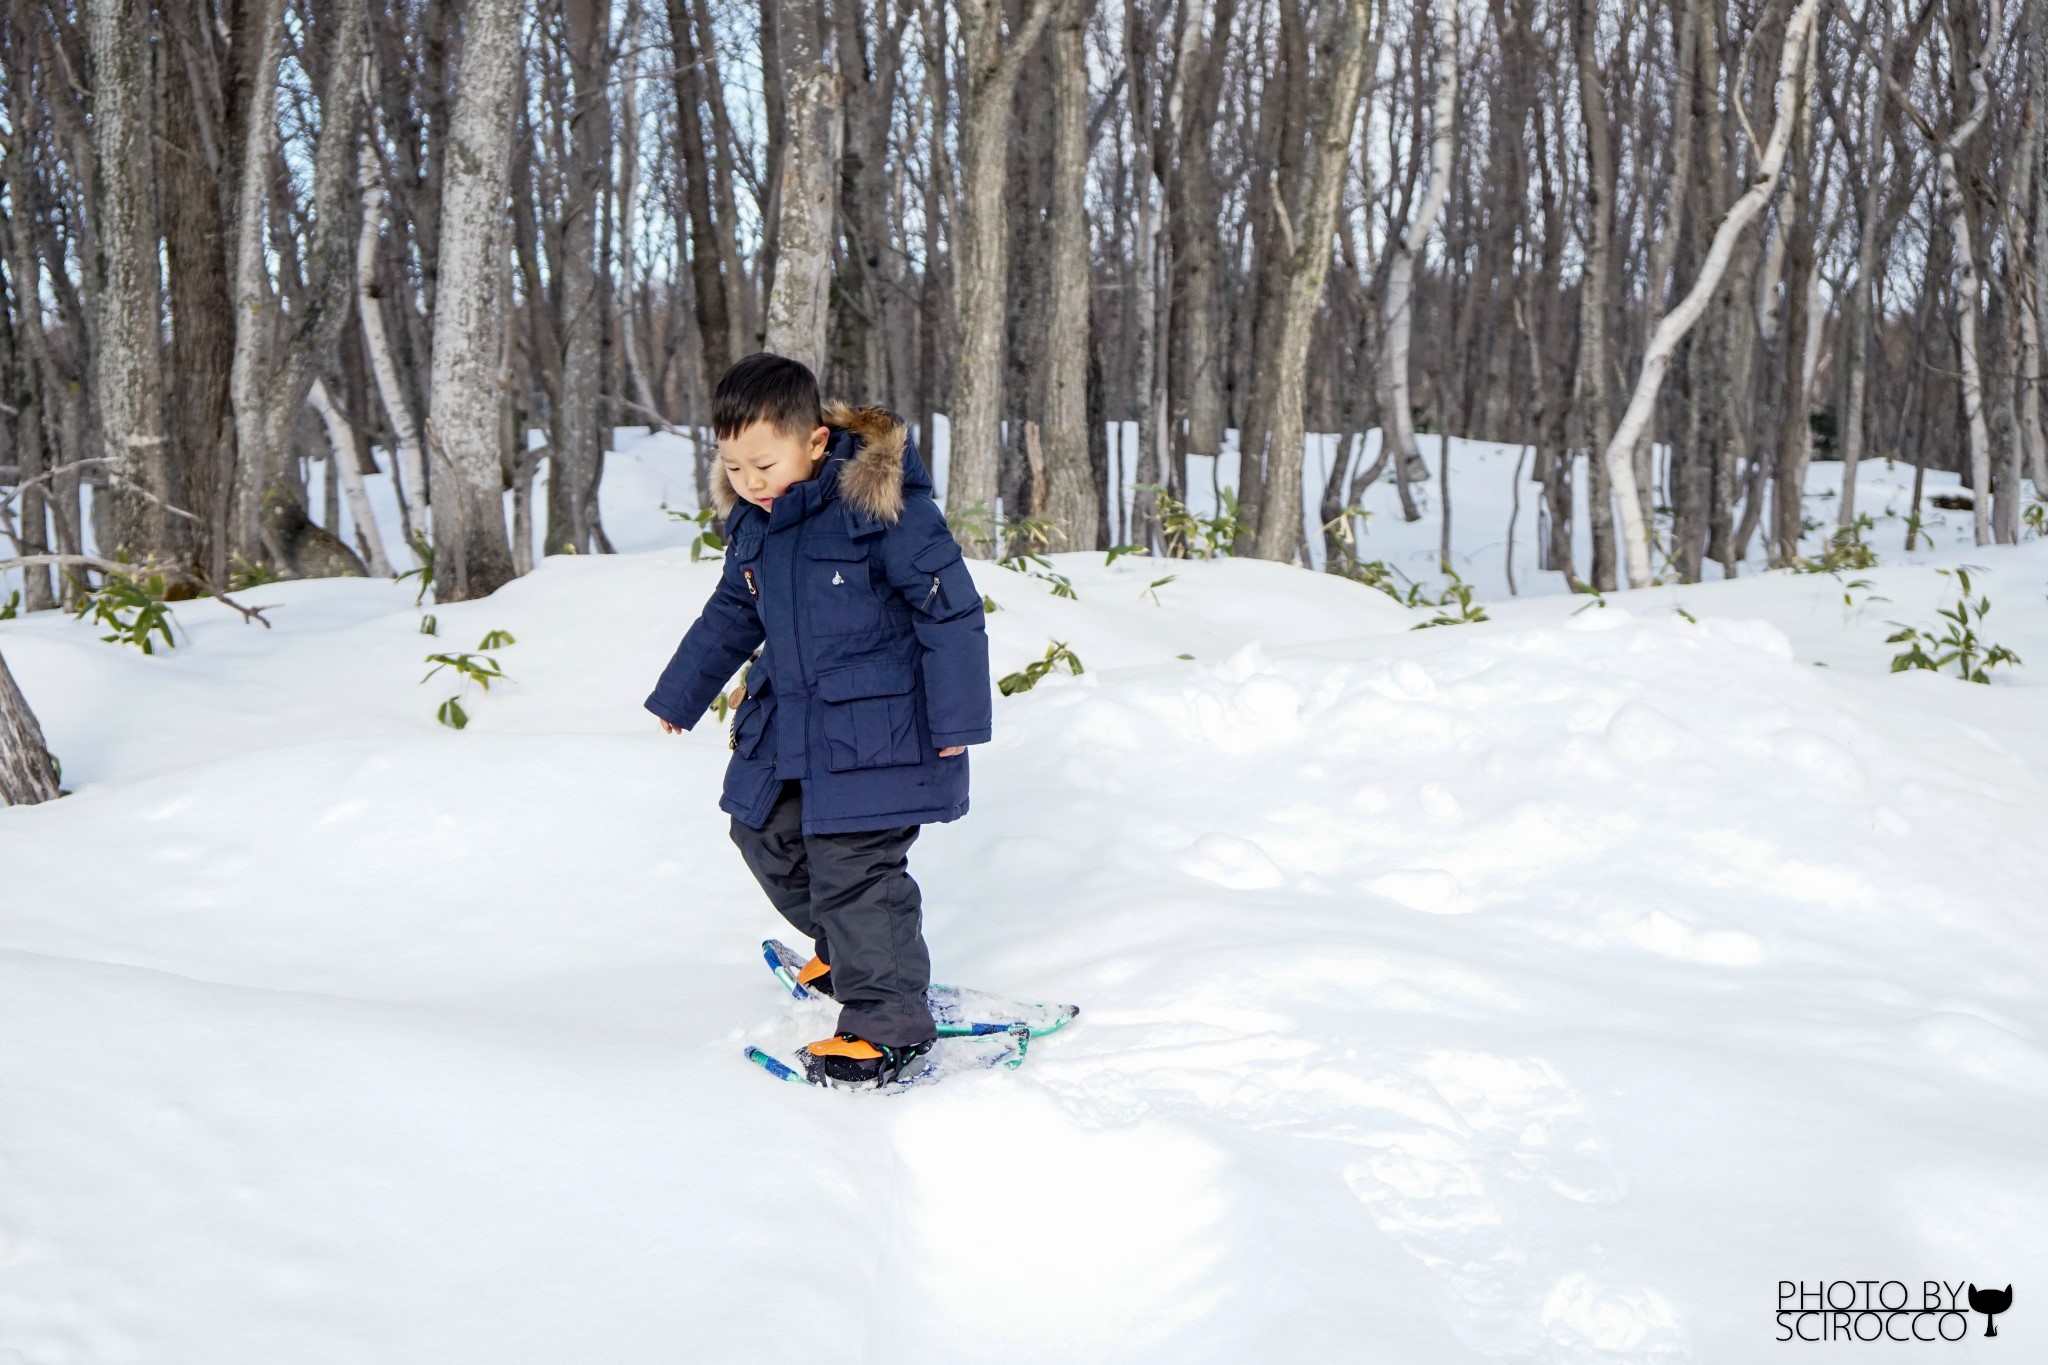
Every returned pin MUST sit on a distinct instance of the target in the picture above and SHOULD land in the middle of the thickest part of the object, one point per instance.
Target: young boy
(851, 727)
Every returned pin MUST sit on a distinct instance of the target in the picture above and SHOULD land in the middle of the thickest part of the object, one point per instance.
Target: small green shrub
(1959, 644)
(133, 609)
(1026, 678)
(1845, 550)
(472, 667)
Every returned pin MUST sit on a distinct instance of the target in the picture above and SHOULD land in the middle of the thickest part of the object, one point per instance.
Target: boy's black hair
(765, 387)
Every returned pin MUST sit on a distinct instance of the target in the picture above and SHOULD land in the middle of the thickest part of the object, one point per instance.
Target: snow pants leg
(852, 895)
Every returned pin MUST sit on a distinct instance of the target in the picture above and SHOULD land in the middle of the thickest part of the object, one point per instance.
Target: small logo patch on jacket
(753, 589)
(836, 578)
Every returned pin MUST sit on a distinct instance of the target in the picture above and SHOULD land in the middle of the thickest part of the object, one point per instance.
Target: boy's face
(763, 460)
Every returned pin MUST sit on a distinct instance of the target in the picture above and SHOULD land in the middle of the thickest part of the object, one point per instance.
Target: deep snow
(1547, 988)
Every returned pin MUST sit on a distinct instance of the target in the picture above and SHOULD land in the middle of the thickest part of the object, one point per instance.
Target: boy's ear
(818, 439)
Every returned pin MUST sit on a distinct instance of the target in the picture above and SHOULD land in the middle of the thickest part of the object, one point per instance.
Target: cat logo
(836, 578)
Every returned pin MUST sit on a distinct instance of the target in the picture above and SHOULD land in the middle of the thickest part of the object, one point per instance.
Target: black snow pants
(852, 895)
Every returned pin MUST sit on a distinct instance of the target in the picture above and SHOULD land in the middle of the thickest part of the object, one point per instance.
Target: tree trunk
(127, 350)
(1398, 427)
(1356, 50)
(27, 774)
(472, 555)
(341, 442)
(1071, 498)
(799, 304)
(1795, 433)
(1591, 405)
(408, 465)
(573, 460)
(1664, 338)
(988, 78)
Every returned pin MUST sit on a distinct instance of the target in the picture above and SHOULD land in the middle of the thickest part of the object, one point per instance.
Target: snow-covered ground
(1548, 988)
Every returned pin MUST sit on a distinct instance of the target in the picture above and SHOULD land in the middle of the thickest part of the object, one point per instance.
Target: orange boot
(816, 976)
(847, 1059)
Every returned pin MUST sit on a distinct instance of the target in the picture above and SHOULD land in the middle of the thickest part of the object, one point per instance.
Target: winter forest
(1512, 546)
(254, 250)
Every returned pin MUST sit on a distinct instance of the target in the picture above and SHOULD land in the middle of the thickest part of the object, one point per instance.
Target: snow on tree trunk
(472, 554)
(988, 78)
(1671, 329)
(127, 350)
(1279, 529)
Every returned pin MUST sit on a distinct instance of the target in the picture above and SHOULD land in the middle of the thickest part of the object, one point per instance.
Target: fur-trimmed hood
(872, 474)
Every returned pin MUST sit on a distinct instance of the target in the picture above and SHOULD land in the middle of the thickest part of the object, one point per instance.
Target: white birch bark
(1672, 327)
(1398, 428)
(341, 440)
(408, 464)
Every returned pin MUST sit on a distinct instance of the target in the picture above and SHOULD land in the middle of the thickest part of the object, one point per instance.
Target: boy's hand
(956, 749)
(672, 729)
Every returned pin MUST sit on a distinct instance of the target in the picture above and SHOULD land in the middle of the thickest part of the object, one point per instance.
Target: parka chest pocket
(869, 715)
(838, 589)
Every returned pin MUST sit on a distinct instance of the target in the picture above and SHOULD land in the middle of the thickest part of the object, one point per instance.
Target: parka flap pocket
(886, 678)
(746, 545)
(833, 547)
(936, 555)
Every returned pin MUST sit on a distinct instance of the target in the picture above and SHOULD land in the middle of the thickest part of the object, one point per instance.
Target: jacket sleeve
(923, 563)
(715, 645)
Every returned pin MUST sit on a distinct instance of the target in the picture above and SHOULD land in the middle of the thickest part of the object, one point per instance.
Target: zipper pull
(930, 595)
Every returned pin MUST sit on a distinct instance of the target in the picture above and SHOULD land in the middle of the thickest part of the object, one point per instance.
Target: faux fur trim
(872, 480)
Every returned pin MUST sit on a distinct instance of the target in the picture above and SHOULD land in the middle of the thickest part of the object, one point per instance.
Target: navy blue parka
(874, 653)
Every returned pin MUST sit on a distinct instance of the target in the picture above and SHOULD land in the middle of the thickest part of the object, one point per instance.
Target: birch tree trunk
(1398, 427)
(254, 307)
(341, 440)
(799, 303)
(472, 555)
(27, 776)
(127, 350)
(988, 78)
(1673, 326)
(1356, 49)
(1071, 499)
(408, 467)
